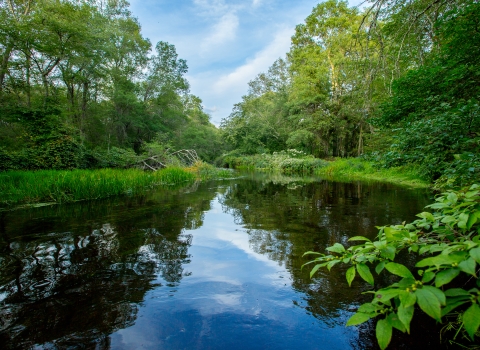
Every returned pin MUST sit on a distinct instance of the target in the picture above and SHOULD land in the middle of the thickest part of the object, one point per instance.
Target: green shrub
(443, 283)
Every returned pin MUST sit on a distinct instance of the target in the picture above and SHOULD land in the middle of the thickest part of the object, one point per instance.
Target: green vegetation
(366, 84)
(80, 87)
(287, 162)
(359, 169)
(61, 186)
(444, 281)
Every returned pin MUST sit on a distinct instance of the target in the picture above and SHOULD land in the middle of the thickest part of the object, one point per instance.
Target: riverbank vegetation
(364, 83)
(63, 186)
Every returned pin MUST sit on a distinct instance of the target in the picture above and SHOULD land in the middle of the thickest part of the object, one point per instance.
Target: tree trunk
(4, 66)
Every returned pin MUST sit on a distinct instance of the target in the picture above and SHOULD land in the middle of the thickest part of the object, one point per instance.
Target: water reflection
(79, 286)
(212, 266)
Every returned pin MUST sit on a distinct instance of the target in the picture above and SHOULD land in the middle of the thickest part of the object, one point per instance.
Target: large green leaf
(364, 272)
(438, 294)
(429, 303)
(405, 314)
(468, 266)
(445, 276)
(475, 253)
(384, 333)
(399, 270)
(471, 320)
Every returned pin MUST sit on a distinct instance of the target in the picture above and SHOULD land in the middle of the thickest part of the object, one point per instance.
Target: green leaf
(438, 294)
(386, 294)
(462, 220)
(428, 276)
(395, 322)
(350, 275)
(379, 268)
(472, 219)
(359, 318)
(452, 197)
(468, 266)
(475, 253)
(384, 333)
(399, 270)
(426, 215)
(364, 272)
(453, 305)
(407, 299)
(405, 314)
(437, 205)
(471, 320)
(368, 308)
(336, 248)
(315, 269)
(456, 292)
(445, 276)
(388, 252)
(332, 263)
(359, 238)
(448, 219)
(442, 260)
(392, 234)
(429, 303)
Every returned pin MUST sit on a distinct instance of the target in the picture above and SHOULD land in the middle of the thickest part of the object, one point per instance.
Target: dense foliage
(397, 83)
(445, 281)
(79, 86)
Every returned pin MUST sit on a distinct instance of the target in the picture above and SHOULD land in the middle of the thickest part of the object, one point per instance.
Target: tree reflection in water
(285, 217)
(75, 288)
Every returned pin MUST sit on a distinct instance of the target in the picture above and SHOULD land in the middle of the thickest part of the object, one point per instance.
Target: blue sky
(226, 42)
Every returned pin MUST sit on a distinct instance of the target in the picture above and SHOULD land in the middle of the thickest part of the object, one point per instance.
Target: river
(215, 265)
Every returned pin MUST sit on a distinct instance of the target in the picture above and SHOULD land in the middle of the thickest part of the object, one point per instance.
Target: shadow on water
(110, 274)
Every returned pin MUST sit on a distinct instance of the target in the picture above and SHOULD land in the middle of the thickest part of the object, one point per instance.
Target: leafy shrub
(444, 283)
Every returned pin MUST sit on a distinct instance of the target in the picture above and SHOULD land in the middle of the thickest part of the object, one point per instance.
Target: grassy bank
(28, 187)
(358, 169)
(294, 162)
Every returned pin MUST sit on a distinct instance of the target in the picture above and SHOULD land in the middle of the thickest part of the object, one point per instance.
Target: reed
(27, 187)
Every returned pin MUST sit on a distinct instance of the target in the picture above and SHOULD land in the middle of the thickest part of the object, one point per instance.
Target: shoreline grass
(63, 186)
(358, 169)
(340, 169)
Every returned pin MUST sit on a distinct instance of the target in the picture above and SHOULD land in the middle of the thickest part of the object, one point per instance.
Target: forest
(80, 87)
(395, 83)
(388, 87)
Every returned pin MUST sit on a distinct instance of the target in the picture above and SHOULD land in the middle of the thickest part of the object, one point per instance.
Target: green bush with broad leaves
(444, 282)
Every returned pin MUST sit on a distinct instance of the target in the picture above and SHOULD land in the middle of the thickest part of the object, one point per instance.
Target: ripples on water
(214, 266)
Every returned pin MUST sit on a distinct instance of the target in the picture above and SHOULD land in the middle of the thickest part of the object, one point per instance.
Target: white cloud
(238, 79)
(223, 31)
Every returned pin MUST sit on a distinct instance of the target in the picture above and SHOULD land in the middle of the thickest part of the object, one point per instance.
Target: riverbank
(343, 169)
(358, 169)
(63, 186)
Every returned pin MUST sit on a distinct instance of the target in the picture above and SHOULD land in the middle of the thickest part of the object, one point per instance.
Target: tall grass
(17, 187)
(358, 169)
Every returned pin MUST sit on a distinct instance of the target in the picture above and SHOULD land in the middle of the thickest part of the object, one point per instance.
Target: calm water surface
(213, 266)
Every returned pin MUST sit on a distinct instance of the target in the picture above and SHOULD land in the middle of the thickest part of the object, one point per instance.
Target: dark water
(213, 266)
